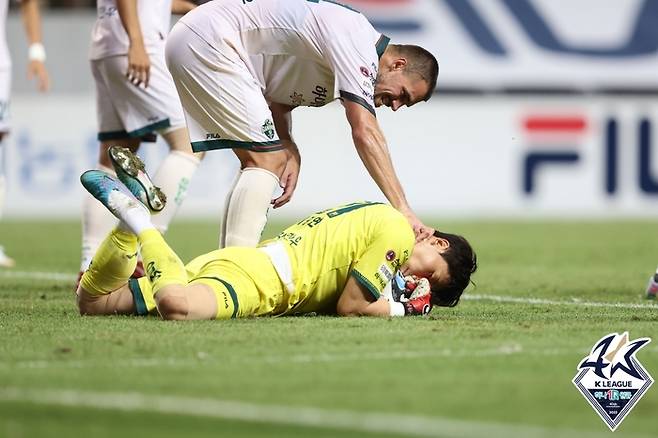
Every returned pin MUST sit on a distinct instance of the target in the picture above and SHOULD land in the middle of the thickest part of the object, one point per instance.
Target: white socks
(137, 220)
(3, 190)
(3, 183)
(173, 177)
(97, 222)
(246, 208)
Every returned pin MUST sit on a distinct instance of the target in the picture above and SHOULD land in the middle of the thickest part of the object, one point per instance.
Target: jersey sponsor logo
(320, 94)
(612, 379)
(386, 272)
(268, 128)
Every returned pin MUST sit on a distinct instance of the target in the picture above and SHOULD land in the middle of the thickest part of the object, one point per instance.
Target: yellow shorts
(239, 294)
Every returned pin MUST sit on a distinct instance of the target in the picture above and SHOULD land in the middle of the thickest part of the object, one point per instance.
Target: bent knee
(87, 303)
(274, 161)
(173, 307)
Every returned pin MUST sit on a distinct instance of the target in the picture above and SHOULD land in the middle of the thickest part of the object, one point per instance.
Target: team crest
(268, 129)
(612, 379)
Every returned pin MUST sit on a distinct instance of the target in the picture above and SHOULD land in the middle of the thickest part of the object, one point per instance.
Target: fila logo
(555, 141)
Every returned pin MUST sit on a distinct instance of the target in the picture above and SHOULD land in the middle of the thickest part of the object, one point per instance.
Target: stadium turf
(498, 365)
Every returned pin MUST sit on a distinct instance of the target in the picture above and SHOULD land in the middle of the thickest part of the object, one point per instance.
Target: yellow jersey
(366, 240)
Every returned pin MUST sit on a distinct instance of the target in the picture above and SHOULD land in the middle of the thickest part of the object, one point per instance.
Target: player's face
(395, 88)
(426, 261)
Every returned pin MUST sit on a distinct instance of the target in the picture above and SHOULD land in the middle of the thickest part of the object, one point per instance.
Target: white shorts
(127, 111)
(223, 103)
(5, 87)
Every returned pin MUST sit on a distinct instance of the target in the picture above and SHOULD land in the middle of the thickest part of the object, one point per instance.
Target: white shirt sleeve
(355, 61)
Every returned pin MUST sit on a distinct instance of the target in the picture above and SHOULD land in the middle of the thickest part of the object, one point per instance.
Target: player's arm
(357, 301)
(181, 7)
(372, 149)
(282, 115)
(139, 65)
(36, 52)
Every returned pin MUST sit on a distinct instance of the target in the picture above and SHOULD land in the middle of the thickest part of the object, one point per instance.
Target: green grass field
(497, 365)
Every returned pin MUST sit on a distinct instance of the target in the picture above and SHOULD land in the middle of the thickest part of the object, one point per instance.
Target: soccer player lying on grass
(337, 261)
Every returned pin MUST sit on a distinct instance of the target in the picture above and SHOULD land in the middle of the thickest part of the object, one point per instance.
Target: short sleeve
(354, 59)
(389, 249)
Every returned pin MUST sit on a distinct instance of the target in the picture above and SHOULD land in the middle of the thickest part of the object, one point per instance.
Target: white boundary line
(203, 359)
(375, 422)
(520, 300)
(65, 277)
(37, 275)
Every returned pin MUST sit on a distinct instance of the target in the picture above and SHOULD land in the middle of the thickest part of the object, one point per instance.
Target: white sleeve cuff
(396, 309)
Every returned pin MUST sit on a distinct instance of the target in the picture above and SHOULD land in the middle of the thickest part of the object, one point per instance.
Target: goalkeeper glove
(409, 295)
(418, 306)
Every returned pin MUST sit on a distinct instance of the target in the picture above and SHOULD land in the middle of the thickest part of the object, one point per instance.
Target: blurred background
(544, 108)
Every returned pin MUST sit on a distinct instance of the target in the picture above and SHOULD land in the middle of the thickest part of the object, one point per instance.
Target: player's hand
(139, 65)
(289, 177)
(418, 306)
(37, 69)
(421, 230)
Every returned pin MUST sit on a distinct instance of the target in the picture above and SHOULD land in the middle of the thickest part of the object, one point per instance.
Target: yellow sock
(163, 267)
(113, 263)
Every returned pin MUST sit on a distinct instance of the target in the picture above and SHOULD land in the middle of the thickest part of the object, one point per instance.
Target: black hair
(462, 263)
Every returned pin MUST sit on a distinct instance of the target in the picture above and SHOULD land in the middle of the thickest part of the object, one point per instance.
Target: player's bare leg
(248, 202)
(118, 302)
(5, 260)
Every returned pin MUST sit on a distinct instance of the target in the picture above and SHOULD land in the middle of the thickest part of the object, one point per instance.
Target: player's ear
(442, 243)
(399, 64)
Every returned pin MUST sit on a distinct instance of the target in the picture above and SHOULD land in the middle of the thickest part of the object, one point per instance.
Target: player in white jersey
(242, 66)
(135, 99)
(36, 68)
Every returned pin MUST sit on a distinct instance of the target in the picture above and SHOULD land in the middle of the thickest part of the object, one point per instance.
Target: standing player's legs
(174, 174)
(127, 113)
(225, 109)
(248, 201)
(5, 80)
(5, 260)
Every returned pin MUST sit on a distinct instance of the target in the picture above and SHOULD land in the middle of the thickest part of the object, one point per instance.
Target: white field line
(203, 359)
(66, 277)
(37, 275)
(575, 302)
(375, 422)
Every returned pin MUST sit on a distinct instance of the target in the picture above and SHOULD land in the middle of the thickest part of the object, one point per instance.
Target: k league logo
(612, 379)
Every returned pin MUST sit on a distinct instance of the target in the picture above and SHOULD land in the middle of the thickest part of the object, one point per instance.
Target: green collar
(381, 45)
